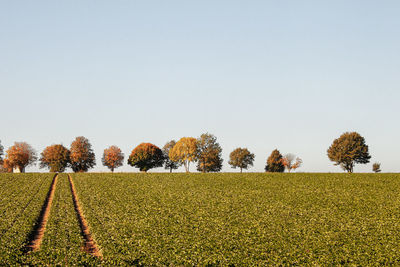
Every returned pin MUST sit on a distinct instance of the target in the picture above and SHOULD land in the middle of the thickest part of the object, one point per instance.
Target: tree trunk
(170, 170)
(112, 170)
(186, 166)
(241, 170)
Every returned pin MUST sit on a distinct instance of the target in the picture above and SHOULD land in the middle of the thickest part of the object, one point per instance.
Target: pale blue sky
(291, 75)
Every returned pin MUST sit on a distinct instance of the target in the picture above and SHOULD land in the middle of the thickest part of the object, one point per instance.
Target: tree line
(346, 151)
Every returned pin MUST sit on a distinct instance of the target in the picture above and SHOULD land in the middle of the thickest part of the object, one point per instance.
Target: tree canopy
(349, 149)
(55, 157)
(82, 155)
(170, 164)
(209, 154)
(241, 158)
(112, 157)
(184, 151)
(19, 156)
(274, 162)
(146, 156)
(376, 167)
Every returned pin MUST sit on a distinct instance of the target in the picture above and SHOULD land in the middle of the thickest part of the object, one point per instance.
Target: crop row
(243, 219)
(62, 242)
(200, 219)
(22, 196)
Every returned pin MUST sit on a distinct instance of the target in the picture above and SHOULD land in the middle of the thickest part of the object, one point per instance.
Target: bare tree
(291, 162)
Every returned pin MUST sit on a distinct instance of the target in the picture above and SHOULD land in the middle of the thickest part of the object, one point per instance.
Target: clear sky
(292, 75)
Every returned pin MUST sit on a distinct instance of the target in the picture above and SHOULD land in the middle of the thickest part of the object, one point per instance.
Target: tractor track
(90, 245)
(36, 236)
(18, 216)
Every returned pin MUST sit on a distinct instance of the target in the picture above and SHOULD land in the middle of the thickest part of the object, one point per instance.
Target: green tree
(55, 157)
(376, 167)
(274, 162)
(82, 155)
(146, 156)
(184, 152)
(241, 158)
(349, 149)
(169, 164)
(209, 154)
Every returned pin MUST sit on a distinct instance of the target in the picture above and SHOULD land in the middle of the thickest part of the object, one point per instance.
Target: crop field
(243, 219)
(21, 198)
(200, 219)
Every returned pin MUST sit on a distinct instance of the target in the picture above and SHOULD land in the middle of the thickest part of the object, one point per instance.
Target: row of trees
(205, 151)
(80, 157)
(346, 151)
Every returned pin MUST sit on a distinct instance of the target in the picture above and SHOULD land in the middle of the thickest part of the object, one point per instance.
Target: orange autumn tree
(6, 167)
(146, 156)
(185, 151)
(241, 158)
(274, 162)
(112, 157)
(19, 156)
(81, 155)
(55, 157)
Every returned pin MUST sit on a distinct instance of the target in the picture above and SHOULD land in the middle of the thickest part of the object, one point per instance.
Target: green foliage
(376, 167)
(169, 164)
(253, 219)
(21, 199)
(241, 158)
(146, 156)
(349, 149)
(274, 162)
(209, 154)
(248, 219)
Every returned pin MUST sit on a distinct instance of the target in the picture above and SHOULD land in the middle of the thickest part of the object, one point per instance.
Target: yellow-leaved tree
(184, 151)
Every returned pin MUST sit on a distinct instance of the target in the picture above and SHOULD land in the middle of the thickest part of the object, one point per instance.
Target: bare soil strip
(36, 236)
(89, 244)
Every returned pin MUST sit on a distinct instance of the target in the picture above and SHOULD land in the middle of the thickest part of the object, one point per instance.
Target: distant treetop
(349, 149)
(146, 156)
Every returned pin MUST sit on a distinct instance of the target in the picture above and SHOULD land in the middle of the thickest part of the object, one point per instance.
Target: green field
(21, 198)
(217, 219)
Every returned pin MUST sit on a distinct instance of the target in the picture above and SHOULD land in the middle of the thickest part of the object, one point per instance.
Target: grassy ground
(243, 219)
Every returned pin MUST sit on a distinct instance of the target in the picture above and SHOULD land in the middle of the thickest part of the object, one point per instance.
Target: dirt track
(89, 245)
(37, 234)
